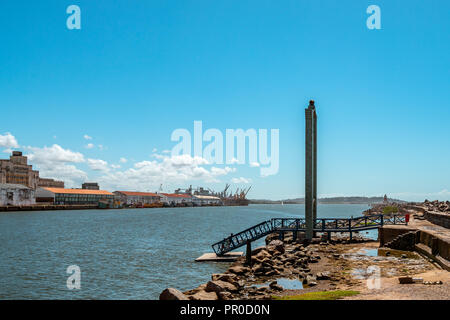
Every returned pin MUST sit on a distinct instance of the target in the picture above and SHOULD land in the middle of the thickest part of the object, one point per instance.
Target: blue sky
(138, 70)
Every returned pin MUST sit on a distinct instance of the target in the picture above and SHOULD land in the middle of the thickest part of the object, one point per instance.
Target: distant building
(90, 186)
(16, 195)
(50, 183)
(16, 170)
(136, 198)
(206, 200)
(174, 198)
(73, 196)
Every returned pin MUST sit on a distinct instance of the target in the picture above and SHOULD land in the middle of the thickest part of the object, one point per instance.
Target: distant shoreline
(335, 200)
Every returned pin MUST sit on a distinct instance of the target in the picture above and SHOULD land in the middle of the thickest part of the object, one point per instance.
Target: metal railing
(299, 224)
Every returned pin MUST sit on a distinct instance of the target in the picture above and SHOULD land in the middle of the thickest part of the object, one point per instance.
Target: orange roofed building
(73, 196)
(175, 198)
(136, 198)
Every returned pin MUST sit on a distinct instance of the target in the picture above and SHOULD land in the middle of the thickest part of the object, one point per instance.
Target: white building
(206, 200)
(136, 198)
(175, 198)
(16, 195)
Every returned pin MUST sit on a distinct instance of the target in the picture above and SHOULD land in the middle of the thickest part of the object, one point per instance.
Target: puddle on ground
(360, 274)
(383, 252)
(368, 252)
(286, 283)
(386, 252)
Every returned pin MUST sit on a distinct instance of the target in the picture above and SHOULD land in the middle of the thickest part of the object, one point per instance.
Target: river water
(124, 254)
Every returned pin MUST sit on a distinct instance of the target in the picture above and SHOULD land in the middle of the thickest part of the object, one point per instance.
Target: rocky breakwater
(437, 206)
(258, 280)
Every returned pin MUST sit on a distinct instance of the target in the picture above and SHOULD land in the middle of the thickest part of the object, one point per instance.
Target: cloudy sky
(101, 103)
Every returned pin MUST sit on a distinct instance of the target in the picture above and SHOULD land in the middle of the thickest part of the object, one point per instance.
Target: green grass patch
(390, 209)
(320, 295)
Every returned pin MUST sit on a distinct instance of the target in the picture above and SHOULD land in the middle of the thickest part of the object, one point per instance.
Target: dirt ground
(374, 273)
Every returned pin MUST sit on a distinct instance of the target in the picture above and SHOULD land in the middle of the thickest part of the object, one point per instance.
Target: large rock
(271, 237)
(227, 277)
(240, 270)
(172, 294)
(225, 295)
(219, 286)
(310, 280)
(258, 250)
(275, 286)
(262, 254)
(277, 245)
(204, 295)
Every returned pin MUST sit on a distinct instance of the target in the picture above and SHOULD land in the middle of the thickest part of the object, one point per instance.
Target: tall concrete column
(315, 166)
(310, 168)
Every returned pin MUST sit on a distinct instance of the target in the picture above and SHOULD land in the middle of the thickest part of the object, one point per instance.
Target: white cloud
(115, 166)
(89, 146)
(8, 141)
(254, 164)
(154, 150)
(98, 165)
(53, 154)
(241, 180)
(165, 169)
(165, 151)
(123, 160)
(57, 163)
(87, 137)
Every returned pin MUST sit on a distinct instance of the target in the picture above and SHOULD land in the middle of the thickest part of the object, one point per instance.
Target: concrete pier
(212, 257)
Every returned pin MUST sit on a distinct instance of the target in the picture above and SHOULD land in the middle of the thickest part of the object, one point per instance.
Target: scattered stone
(204, 295)
(433, 282)
(172, 294)
(405, 280)
(323, 275)
(219, 286)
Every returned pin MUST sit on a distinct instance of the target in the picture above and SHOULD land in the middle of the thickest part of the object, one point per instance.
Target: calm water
(123, 254)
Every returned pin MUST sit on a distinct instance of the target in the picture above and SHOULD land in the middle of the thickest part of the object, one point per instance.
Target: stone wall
(387, 234)
(440, 218)
(439, 246)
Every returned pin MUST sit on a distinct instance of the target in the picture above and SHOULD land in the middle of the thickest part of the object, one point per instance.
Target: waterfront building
(16, 170)
(90, 186)
(50, 183)
(16, 195)
(73, 196)
(136, 198)
(201, 200)
(175, 199)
